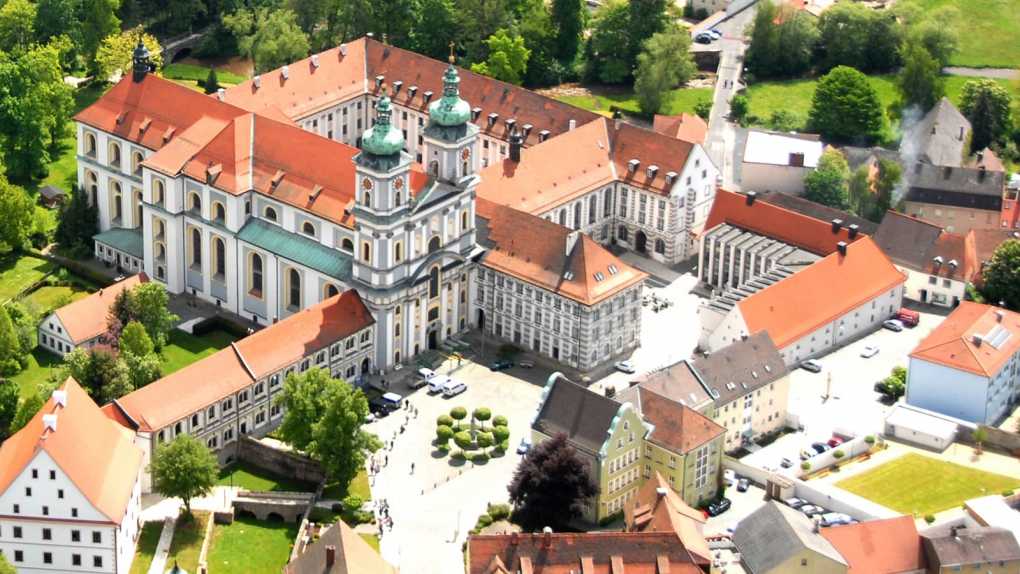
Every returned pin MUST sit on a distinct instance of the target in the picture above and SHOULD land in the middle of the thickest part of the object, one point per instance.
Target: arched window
(398, 252)
(660, 246)
(396, 329)
(160, 250)
(114, 154)
(219, 212)
(196, 247)
(136, 205)
(577, 216)
(308, 229)
(219, 257)
(465, 168)
(269, 213)
(294, 291)
(434, 282)
(607, 202)
(463, 221)
(194, 202)
(434, 244)
(159, 227)
(136, 162)
(366, 252)
(92, 184)
(397, 199)
(367, 199)
(434, 168)
(347, 245)
(329, 290)
(247, 207)
(621, 233)
(158, 191)
(90, 144)
(593, 208)
(563, 217)
(115, 201)
(255, 280)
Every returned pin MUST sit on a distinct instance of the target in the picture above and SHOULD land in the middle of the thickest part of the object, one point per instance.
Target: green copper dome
(450, 110)
(383, 138)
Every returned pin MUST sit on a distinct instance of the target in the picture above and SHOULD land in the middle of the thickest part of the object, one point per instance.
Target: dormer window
(308, 229)
(613, 270)
(599, 276)
(269, 213)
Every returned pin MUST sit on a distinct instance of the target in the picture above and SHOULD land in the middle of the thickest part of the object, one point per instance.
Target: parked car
(526, 364)
(454, 388)
(795, 502)
(835, 441)
(811, 509)
(525, 446)
(894, 325)
(729, 477)
(807, 453)
(811, 365)
(786, 463)
(380, 408)
(624, 367)
(820, 447)
(869, 351)
(704, 38)
(437, 383)
(501, 365)
(423, 378)
(908, 317)
(716, 34)
(719, 506)
(835, 519)
(743, 484)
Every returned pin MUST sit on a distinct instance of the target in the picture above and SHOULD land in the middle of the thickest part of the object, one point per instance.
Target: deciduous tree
(10, 346)
(568, 17)
(987, 105)
(1001, 277)
(920, 79)
(854, 35)
(436, 25)
(606, 60)
(664, 64)
(551, 485)
(508, 58)
(149, 304)
(782, 41)
(183, 468)
(16, 213)
(270, 37)
(8, 406)
(17, 23)
(114, 56)
(845, 107)
(98, 20)
(5, 566)
(647, 18)
(827, 184)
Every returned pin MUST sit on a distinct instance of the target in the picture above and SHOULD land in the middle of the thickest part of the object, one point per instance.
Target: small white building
(920, 426)
(70, 494)
(774, 161)
(969, 366)
(82, 323)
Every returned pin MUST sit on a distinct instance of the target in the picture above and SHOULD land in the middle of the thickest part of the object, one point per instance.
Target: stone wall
(279, 462)
(998, 439)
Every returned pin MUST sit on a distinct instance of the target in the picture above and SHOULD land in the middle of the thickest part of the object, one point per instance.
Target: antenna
(452, 46)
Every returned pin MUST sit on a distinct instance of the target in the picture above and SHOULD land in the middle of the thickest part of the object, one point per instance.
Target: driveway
(435, 506)
(743, 504)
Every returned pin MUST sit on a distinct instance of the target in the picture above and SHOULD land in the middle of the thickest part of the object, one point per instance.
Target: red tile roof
(587, 553)
(535, 250)
(85, 319)
(229, 370)
(658, 508)
(952, 342)
(678, 428)
(98, 456)
(890, 546)
(821, 293)
(687, 127)
(776, 222)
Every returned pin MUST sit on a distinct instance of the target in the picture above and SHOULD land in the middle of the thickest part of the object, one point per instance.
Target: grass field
(50, 297)
(251, 478)
(147, 542)
(920, 485)
(20, 273)
(359, 487)
(602, 100)
(250, 546)
(182, 349)
(987, 31)
(197, 73)
(40, 364)
(187, 542)
(372, 540)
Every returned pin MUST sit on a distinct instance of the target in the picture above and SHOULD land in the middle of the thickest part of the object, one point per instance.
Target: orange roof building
(49, 481)
(889, 546)
(658, 508)
(83, 322)
(687, 127)
(966, 367)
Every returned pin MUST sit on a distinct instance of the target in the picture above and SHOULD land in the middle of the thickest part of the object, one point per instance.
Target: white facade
(53, 337)
(962, 394)
(777, 162)
(47, 525)
(933, 289)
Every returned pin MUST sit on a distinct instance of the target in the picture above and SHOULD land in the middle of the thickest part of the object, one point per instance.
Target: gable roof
(687, 127)
(955, 186)
(906, 240)
(658, 508)
(972, 546)
(741, 367)
(889, 546)
(352, 555)
(777, 148)
(676, 427)
(775, 532)
(97, 455)
(584, 416)
(550, 256)
(819, 294)
(939, 137)
(817, 211)
(85, 319)
(677, 382)
(255, 357)
(952, 342)
(776, 222)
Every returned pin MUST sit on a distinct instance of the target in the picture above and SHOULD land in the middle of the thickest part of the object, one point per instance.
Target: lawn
(187, 542)
(20, 273)
(146, 549)
(197, 73)
(359, 487)
(921, 485)
(250, 478)
(40, 364)
(987, 31)
(250, 546)
(183, 348)
(372, 540)
(602, 100)
(48, 298)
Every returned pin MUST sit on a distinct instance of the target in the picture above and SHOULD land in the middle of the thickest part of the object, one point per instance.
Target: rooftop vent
(937, 261)
(613, 270)
(60, 397)
(796, 159)
(257, 81)
(750, 197)
(543, 135)
(220, 94)
(852, 230)
(633, 165)
(343, 50)
(427, 96)
(315, 60)
(599, 276)
(953, 263)
(526, 129)
(999, 316)
(661, 492)
(330, 556)
(285, 72)
(412, 91)
(492, 119)
(571, 124)
(49, 423)
(670, 177)
(145, 125)
(768, 369)
(652, 171)
(976, 339)
(396, 87)
(379, 80)
(841, 247)
(475, 113)
(836, 225)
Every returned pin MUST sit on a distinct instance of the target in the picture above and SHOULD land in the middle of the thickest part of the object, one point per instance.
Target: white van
(437, 383)
(453, 388)
(424, 376)
(394, 400)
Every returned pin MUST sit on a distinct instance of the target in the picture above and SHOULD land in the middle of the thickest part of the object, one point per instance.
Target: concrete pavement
(158, 564)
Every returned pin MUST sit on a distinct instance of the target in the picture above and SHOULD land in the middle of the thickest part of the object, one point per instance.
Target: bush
(500, 421)
(607, 520)
(838, 454)
(504, 446)
(1007, 493)
(337, 507)
(929, 518)
(353, 502)
(458, 413)
(805, 466)
(739, 107)
(870, 439)
(483, 521)
(444, 421)
(499, 511)
(480, 457)
(500, 433)
(482, 414)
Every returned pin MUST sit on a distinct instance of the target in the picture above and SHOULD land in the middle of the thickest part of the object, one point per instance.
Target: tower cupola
(141, 62)
(450, 110)
(383, 138)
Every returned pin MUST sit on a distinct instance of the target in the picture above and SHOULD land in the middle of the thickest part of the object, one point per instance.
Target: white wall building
(83, 323)
(778, 161)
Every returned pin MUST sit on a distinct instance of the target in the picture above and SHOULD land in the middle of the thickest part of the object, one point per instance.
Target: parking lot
(434, 506)
(743, 504)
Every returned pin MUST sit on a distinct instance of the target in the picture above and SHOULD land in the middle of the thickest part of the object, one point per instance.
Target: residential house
(968, 366)
(68, 503)
(52, 196)
(993, 510)
(888, 546)
(658, 508)
(939, 138)
(956, 198)
(776, 161)
(83, 323)
(678, 382)
(339, 550)
(776, 539)
(938, 264)
(985, 549)
(684, 126)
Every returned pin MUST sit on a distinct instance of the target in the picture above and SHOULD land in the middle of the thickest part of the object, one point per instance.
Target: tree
(935, 30)
(180, 15)
(98, 20)
(895, 385)
(859, 191)
(478, 20)
(8, 406)
(485, 440)
(17, 22)
(183, 468)
(443, 435)
(481, 414)
(647, 18)
(828, 183)
(302, 405)
(568, 18)
(29, 408)
(987, 105)
(77, 224)
(463, 440)
(703, 109)
(34, 106)
(889, 175)
(500, 433)
(458, 414)
(782, 41)
(435, 27)
(920, 80)
(508, 58)
(56, 18)
(16, 213)
(739, 107)
(5, 566)
(212, 84)
(854, 35)
(114, 56)
(113, 376)
(551, 485)
(271, 38)
(338, 441)
(10, 347)
(135, 340)
(664, 64)
(606, 61)
(138, 354)
(980, 435)
(845, 107)
(1001, 277)
(535, 25)
(149, 305)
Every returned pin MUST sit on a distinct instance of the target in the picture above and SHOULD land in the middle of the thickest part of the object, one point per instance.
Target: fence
(279, 462)
(997, 439)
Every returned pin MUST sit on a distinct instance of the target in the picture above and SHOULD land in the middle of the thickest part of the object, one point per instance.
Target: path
(158, 565)
(999, 73)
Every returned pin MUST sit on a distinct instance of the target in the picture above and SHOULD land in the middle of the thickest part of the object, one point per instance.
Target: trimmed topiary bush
(458, 413)
(805, 466)
(500, 421)
(480, 457)
(504, 446)
(482, 414)
(500, 433)
(463, 440)
(483, 521)
(499, 511)
(870, 439)
(838, 454)
(444, 434)
(929, 518)
(444, 420)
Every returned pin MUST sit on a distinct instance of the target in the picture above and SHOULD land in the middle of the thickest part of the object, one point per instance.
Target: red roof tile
(890, 546)
(658, 508)
(687, 127)
(678, 427)
(952, 342)
(85, 319)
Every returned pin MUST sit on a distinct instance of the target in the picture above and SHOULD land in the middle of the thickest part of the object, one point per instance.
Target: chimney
(571, 124)
(962, 133)
(841, 247)
(946, 172)
(285, 72)
(651, 171)
(60, 397)
(49, 423)
(343, 50)
(412, 91)
(546, 537)
(953, 264)
(516, 142)
(572, 238)
(475, 113)
(427, 96)
(982, 172)
(379, 80)
(670, 177)
(633, 164)
(836, 225)
(396, 86)
(999, 316)
(660, 492)
(937, 261)
(980, 156)
(526, 129)
(976, 339)
(543, 135)
(515, 538)
(617, 119)
(220, 94)
(492, 119)
(852, 230)
(330, 556)
(257, 81)
(750, 197)
(315, 60)
(510, 123)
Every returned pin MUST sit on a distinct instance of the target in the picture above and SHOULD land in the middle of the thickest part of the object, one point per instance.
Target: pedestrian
(386, 460)
(412, 468)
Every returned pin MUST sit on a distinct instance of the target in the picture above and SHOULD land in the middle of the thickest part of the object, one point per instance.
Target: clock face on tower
(466, 153)
(366, 183)
(399, 183)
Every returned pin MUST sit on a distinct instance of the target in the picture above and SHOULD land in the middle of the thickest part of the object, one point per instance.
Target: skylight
(612, 269)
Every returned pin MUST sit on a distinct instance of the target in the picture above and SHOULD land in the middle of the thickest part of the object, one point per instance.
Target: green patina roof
(383, 138)
(125, 240)
(296, 248)
(450, 110)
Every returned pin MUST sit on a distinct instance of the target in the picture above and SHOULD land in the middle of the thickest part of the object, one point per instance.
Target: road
(1002, 73)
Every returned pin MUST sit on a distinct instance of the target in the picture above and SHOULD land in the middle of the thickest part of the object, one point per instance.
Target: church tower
(450, 139)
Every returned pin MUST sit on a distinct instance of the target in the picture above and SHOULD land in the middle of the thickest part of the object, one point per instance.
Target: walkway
(998, 73)
(158, 565)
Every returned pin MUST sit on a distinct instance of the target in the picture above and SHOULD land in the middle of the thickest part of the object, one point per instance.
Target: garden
(476, 440)
(249, 546)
